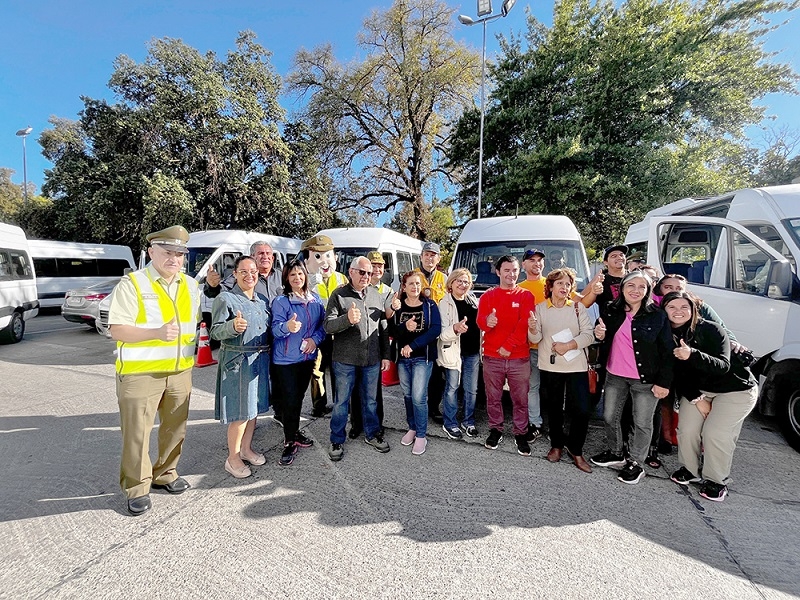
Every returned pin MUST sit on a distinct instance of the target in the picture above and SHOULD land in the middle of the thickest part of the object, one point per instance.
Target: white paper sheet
(564, 336)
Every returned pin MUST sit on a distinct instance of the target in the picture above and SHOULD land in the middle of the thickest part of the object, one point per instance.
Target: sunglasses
(363, 273)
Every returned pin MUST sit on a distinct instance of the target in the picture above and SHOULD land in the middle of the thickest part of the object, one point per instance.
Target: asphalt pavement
(459, 521)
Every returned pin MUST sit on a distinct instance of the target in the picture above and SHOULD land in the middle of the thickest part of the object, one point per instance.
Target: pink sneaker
(419, 446)
(408, 438)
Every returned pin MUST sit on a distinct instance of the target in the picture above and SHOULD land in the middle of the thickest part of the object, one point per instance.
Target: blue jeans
(469, 384)
(534, 399)
(347, 377)
(644, 404)
(414, 374)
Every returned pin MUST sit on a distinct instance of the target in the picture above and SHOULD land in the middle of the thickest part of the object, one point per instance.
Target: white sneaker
(408, 438)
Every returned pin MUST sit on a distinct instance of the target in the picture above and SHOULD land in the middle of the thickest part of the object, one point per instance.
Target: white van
(401, 253)
(739, 253)
(62, 266)
(221, 247)
(18, 301)
(483, 241)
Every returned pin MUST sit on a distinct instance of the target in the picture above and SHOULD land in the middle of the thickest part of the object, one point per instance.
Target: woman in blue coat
(240, 320)
(297, 318)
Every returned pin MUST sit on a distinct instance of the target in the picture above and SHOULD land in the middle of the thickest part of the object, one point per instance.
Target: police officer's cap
(375, 257)
(172, 238)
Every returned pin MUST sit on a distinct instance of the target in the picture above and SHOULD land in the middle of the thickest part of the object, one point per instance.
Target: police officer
(153, 318)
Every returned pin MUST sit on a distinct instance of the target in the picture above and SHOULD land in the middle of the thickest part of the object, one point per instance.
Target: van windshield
(479, 258)
(196, 258)
(344, 256)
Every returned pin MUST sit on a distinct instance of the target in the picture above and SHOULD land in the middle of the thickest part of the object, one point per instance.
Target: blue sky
(53, 52)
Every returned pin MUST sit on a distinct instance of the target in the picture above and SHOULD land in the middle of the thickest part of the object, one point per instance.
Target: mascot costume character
(320, 261)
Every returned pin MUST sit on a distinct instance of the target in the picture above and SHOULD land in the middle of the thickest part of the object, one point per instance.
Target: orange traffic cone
(204, 357)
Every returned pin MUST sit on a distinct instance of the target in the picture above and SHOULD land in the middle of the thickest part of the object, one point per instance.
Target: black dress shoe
(438, 419)
(139, 506)
(178, 486)
(321, 412)
(354, 433)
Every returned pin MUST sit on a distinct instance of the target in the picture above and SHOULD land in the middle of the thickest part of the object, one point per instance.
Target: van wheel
(789, 412)
(15, 330)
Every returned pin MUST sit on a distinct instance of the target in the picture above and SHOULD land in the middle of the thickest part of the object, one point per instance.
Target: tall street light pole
(23, 133)
(484, 8)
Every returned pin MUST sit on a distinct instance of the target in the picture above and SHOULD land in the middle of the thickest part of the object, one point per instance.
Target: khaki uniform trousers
(140, 397)
(718, 432)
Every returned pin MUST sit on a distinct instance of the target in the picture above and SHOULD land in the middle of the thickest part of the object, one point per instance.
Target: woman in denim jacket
(637, 354)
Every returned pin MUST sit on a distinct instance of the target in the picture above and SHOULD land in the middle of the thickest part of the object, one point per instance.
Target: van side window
(691, 250)
(45, 267)
(416, 261)
(770, 235)
(388, 270)
(20, 265)
(404, 264)
(5, 266)
(751, 266)
(112, 266)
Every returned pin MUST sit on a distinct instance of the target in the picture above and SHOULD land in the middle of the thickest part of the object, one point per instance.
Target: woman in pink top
(637, 353)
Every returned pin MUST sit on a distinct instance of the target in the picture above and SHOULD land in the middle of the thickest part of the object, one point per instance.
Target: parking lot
(458, 522)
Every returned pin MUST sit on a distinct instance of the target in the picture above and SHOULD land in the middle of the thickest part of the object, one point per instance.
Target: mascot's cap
(321, 243)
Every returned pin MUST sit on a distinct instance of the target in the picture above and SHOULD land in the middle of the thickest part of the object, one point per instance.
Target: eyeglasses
(363, 273)
(244, 273)
(462, 282)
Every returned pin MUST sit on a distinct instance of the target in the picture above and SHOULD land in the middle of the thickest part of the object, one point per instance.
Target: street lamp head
(507, 6)
(24, 132)
(463, 19)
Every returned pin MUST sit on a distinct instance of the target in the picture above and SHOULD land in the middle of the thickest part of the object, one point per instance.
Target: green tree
(617, 109)
(382, 121)
(192, 138)
(11, 197)
(779, 164)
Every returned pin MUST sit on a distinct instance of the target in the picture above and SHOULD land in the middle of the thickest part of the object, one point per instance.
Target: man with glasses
(153, 318)
(356, 422)
(356, 317)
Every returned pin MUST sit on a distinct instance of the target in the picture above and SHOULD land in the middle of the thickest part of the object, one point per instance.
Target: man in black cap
(614, 271)
(153, 317)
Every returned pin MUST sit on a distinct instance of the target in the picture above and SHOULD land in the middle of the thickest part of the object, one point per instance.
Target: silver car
(83, 305)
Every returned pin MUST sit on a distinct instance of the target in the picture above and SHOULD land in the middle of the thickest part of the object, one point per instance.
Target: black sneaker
(715, 492)
(494, 438)
(289, 451)
(335, 452)
(469, 430)
(533, 433)
(608, 459)
(453, 433)
(302, 441)
(631, 473)
(523, 448)
(683, 476)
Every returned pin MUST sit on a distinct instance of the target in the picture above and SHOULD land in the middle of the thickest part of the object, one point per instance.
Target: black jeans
(575, 388)
(291, 382)
(319, 391)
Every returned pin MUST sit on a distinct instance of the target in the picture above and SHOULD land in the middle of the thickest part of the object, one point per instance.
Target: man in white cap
(153, 317)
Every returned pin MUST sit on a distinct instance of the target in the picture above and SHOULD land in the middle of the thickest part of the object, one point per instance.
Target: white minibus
(401, 253)
(483, 241)
(18, 301)
(62, 266)
(739, 253)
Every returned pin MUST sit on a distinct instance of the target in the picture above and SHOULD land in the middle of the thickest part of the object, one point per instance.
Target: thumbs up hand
(461, 326)
(169, 331)
(600, 330)
(596, 285)
(354, 314)
(411, 324)
(239, 322)
(212, 277)
(491, 320)
(533, 324)
(293, 325)
(682, 352)
(396, 304)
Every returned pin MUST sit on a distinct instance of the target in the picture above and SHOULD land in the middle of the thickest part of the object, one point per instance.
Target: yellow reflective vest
(324, 289)
(156, 307)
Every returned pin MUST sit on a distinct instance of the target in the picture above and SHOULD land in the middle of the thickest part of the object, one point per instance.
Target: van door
(729, 268)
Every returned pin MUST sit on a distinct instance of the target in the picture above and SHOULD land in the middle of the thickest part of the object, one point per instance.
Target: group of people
(282, 331)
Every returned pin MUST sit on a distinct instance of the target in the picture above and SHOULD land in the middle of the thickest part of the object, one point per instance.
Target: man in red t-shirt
(503, 315)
